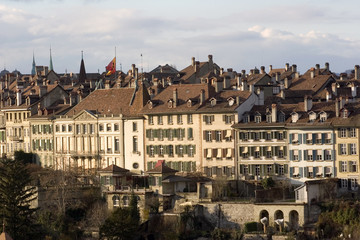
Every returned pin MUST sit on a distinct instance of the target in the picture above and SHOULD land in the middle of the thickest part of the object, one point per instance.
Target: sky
(239, 34)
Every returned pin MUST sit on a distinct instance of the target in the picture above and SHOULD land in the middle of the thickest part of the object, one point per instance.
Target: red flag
(111, 67)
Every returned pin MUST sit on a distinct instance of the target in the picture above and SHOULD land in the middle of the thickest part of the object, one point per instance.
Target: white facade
(134, 144)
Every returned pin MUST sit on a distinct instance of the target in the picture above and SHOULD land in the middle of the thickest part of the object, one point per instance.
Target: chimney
(202, 96)
(211, 63)
(277, 77)
(197, 65)
(175, 97)
(42, 91)
(287, 83)
(307, 103)
(251, 88)
(327, 66)
(136, 73)
(238, 82)
(273, 112)
(294, 68)
(18, 97)
(328, 95)
(244, 84)
(317, 66)
(353, 90)
(133, 70)
(243, 73)
(282, 94)
(71, 100)
(334, 88)
(312, 72)
(337, 107)
(270, 68)
(221, 71)
(356, 77)
(238, 100)
(286, 66)
(193, 61)
(262, 69)
(341, 103)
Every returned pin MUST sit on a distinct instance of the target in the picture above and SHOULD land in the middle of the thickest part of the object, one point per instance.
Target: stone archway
(293, 220)
(278, 215)
(264, 213)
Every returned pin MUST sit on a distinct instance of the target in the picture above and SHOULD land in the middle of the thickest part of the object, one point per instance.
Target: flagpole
(115, 63)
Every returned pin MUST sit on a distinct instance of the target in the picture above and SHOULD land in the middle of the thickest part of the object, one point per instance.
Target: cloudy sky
(239, 35)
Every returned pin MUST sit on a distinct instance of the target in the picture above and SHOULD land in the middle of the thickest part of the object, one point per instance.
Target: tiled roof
(114, 169)
(113, 101)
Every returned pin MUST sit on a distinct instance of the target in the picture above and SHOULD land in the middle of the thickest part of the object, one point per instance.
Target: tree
(121, 225)
(134, 210)
(15, 199)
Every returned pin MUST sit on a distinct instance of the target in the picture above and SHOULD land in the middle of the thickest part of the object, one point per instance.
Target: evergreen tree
(15, 199)
(134, 210)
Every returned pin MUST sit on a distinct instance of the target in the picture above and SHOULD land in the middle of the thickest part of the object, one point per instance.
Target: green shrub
(250, 227)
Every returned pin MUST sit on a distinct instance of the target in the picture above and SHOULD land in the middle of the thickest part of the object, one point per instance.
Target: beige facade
(42, 141)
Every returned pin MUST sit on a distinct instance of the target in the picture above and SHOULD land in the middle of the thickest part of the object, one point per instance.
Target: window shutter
(340, 168)
(214, 152)
(290, 138)
(301, 171)
(194, 149)
(204, 135)
(300, 138)
(291, 171)
(190, 133)
(147, 149)
(291, 155)
(300, 155)
(177, 147)
(286, 168)
(313, 138)
(213, 136)
(333, 154)
(241, 169)
(147, 133)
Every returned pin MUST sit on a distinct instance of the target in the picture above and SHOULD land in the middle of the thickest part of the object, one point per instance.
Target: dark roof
(114, 169)
(160, 167)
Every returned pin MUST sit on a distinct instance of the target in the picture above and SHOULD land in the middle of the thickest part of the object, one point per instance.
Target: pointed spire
(33, 70)
(51, 63)
(82, 74)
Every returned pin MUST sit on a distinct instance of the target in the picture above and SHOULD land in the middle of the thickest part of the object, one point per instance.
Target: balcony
(16, 138)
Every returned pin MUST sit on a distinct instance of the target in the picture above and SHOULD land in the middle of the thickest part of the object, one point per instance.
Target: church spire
(33, 70)
(82, 74)
(51, 63)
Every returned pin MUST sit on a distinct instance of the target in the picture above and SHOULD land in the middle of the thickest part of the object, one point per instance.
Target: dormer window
(268, 117)
(281, 117)
(150, 104)
(258, 118)
(170, 104)
(231, 101)
(189, 103)
(213, 102)
(345, 113)
(246, 118)
(312, 116)
(294, 117)
(323, 116)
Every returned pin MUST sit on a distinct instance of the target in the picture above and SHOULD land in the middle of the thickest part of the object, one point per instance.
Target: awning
(296, 170)
(218, 153)
(257, 149)
(208, 155)
(245, 150)
(228, 154)
(228, 134)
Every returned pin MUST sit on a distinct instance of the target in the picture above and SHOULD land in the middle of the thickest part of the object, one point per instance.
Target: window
(101, 127)
(218, 136)
(268, 154)
(354, 184)
(353, 166)
(135, 165)
(268, 118)
(69, 128)
(319, 155)
(161, 135)
(189, 118)
(257, 153)
(171, 150)
(181, 150)
(151, 120)
(57, 128)
(77, 126)
(280, 136)
(208, 119)
(125, 201)
(208, 136)
(161, 150)
(342, 132)
(257, 170)
(152, 151)
(343, 165)
(276, 90)
(108, 127)
(160, 120)
(352, 132)
(84, 128)
(281, 117)
(116, 127)
(310, 155)
(117, 144)
(342, 149)
(268, 136)
(135, 144)
(191, 151)
(91, 127)
(228, 119)
(134, 127)
(257, 119)
(257, 136)
(63, 128)
(327, 155)
(281, 169)
(296, 155)
(246, 118)
(352, 148)
(151, 134)
(170, 119)
(179, 119)
(344, 183)
(116, 201)
(281, 153)
(268, 169)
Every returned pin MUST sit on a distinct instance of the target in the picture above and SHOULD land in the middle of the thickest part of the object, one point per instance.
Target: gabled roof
(114, 169)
